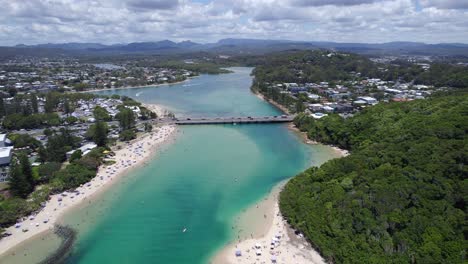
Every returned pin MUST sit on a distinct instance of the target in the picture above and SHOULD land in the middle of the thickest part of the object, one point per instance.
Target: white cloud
(115, 21)
(445, 4)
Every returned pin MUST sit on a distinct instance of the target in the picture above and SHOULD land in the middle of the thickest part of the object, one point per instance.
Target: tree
(34, 105)
(66, 107)
(148, 127)
(26, 169)
(50, 103)
(42, 152)
(2, 108)
(48, 132)
(100, 133)
(127, 135)
(101, 114)
(399, 197)
(126, 118)
(12, 91)
(47, 170)
(21, 180)
(77, 154)
(24, 140)
(300, 106)
(59, 144)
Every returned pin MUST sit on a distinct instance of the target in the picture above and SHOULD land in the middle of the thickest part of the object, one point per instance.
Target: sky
(205, 21)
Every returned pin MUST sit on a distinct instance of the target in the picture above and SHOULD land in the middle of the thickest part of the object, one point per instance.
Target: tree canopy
(400, 197)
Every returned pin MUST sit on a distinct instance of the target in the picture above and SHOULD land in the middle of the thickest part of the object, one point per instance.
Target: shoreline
(303, 135)
(275, 104)
(135, 87)
(274, 239)
(270, 234)
(263, 227)
(128, 156)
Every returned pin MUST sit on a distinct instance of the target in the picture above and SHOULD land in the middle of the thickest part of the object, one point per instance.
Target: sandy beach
(277, 105)
(127, 156)
(265, 237)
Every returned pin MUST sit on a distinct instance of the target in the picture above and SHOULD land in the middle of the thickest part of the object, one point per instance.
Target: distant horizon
(217, 41)
(33, 22)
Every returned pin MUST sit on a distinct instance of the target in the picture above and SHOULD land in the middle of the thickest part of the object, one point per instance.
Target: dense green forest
(318, 66)
(400, 197)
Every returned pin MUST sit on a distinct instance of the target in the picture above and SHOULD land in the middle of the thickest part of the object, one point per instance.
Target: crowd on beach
(126, 156)
(265, 237)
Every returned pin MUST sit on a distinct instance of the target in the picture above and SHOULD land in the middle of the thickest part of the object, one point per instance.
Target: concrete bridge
(230, 120)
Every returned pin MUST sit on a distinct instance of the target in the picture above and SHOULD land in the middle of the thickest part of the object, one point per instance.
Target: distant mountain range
(234, 46)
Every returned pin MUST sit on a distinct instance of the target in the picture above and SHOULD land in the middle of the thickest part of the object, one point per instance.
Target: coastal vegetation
(400, 197)
(29, 186)
(319, 66)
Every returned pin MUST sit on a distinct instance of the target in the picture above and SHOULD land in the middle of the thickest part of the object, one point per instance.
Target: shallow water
(200, 183)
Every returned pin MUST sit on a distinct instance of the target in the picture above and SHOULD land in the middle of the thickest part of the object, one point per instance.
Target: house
(328, 108)
(340, 96)
(85, 149)
(313, 96)
(368, 100)
(4, 141)
(5, 155)
(392, 91)
(359, 102)
(343, 108)
(315, 107)
(297, 89)
(318, 115)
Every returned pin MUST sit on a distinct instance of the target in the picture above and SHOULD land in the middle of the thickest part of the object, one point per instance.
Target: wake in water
(191, 84)
(138, 94)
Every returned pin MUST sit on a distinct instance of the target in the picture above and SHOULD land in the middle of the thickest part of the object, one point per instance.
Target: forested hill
(400, 197)
(319, 66)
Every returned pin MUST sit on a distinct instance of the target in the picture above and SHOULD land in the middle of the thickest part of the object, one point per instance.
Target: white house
(5, 155)
(85, 149)
(4, 141)
(318, 115)
(368, 100)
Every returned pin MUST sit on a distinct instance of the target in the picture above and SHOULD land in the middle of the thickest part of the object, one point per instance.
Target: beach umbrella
(273, 259)
(258, 245)
(259, 252)
(238, 253)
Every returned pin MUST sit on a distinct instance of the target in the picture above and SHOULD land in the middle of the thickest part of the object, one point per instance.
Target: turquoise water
(201, 181)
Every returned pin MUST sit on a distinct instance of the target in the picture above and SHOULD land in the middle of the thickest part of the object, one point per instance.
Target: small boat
(185, 229)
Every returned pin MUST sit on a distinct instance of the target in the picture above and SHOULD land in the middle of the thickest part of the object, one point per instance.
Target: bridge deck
(232, 120)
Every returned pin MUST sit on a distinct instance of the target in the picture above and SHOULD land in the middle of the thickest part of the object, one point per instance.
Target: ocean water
(200, 182)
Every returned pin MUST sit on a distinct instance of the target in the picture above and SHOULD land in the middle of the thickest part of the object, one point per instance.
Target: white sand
(129, 156)
(161, 112)
(287, 248)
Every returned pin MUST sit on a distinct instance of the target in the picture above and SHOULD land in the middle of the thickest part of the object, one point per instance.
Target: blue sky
(123, 21)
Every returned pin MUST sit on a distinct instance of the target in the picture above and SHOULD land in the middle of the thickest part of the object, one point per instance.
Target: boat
(185, 229)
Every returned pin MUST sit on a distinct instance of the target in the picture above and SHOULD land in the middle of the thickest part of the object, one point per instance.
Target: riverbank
(291, 126)
(277, 105)
(135, 87)
(127, 156)
(264, 236)
(303, 135)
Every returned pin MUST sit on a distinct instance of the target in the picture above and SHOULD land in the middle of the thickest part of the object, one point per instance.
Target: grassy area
(3, 186)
